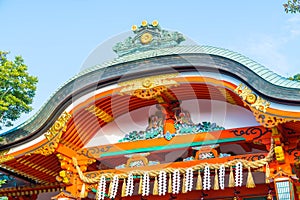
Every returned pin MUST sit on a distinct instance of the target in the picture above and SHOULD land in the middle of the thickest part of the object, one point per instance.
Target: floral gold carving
(146, 38)
(252, 99)
(59, 125)
(150, 93)
(269, 121)
(53, 135)
(149, 88)
(5, 158)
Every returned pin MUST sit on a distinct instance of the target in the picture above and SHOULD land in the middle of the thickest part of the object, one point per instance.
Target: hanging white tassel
(162, 183)
(129, 186)
(176, 182)
(82, 193)
(101, 188)
(222, 177)
(239, 174)
(206, 178)
(114, 188)
(146, 184)
(189, 179)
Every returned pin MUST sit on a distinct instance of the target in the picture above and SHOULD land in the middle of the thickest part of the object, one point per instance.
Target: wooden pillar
(69, 173)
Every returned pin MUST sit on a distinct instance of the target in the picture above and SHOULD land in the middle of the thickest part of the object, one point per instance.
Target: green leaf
(17, 89)
(292, 6)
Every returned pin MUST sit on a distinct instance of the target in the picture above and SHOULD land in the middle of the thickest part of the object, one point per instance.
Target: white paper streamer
(162, 183)
(239, 174)
(206, 178)
(222, 177)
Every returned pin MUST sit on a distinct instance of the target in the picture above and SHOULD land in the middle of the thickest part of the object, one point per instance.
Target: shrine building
(162, 120)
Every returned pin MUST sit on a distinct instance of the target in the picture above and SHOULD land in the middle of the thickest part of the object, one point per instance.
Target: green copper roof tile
(271, 76)
(257, 68)
(250, 64)
(288, 84)
(275, 79)
(266, 74)
(293, 84)
(281, 81)
(262, 71)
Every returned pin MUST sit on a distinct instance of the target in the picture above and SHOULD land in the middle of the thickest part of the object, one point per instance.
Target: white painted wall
(222, 113)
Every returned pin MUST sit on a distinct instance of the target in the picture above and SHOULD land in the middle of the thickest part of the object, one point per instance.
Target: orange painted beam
(257, 134)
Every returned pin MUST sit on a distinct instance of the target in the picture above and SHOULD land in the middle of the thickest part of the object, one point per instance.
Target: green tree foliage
(295, 77)
(17, 89)
(292, 6)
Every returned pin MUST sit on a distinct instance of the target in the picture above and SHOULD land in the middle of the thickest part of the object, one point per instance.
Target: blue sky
(55, 37)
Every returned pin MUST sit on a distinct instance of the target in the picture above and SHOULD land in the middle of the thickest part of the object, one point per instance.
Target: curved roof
(262, 79)
(257, 68)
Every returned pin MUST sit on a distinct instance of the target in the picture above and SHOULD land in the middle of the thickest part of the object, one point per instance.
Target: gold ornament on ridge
(155, 23)
(134, 27)
(144, 23)
(146, 38)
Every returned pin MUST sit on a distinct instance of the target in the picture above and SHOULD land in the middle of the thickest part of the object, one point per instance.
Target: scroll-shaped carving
(254, 100)
(150, 87)
(59, 125)
(53, 135)
(269, 121)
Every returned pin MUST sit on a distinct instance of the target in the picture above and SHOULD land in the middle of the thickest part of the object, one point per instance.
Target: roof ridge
(268, 75)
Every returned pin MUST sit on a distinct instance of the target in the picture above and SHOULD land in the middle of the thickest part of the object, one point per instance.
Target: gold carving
(144, 23)
(149, 88)
(255, 101)
(269, 121)
(4, 152)
(48, 148)
(101, 114)
(150, 93)
(251, 98)
(134, 27)
(155, 23)
(53, 135)
(58, 126)
(5, 158)
(65, 174)
(146, 38)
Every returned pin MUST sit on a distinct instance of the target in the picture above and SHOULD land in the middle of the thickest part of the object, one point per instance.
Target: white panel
(222, 113)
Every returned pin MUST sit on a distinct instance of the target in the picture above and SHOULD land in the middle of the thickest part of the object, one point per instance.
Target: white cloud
(293, 26)
(266, 50)
(277, 50)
